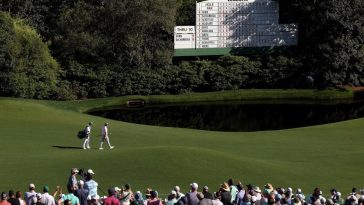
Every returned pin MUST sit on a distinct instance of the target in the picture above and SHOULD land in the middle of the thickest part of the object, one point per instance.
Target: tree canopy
(67, 49)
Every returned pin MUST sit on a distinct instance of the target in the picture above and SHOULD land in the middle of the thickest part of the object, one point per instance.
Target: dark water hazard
(238, 116)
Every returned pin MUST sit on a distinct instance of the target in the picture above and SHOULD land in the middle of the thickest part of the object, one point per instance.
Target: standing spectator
(39, 198)
(178, 192)
(47, 199)
(138, 198)
(192, 195)
(335, 196)
(111, 200)
(3, 200)
(241, 194)
(70, 196)
(203, 200)
(217, 200)
(154, 199)
(81, 193)
(105, 136)
(18, 195)
(172, 198)
(206, 193)
(72, 180)
(225, 194)
(30, 194)
(86, 143)
(90, 184)
(12, 200)
(233, 191)
(126, 195)
(257, 196)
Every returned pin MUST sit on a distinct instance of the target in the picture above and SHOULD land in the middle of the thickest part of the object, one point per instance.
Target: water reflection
(238, 116)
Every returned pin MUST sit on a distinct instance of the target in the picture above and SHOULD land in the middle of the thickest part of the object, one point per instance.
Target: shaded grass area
(234, 95)
(39, 145)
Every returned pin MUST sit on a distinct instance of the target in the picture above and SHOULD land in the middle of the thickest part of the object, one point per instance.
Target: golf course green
(39, 145)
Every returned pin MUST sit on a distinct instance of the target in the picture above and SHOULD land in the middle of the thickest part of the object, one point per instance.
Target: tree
(27, 68)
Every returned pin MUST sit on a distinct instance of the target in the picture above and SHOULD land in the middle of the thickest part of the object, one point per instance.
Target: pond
(238, 116)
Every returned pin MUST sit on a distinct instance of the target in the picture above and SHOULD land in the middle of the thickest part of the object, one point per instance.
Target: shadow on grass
(66, 147)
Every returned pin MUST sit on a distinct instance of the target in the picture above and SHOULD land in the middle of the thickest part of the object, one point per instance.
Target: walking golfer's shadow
(66, 147)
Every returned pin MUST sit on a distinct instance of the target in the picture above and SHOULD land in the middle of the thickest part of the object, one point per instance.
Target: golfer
(105, 137)
(86, 142)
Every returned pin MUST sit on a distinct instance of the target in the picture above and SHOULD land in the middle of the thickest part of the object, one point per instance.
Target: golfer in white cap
(105, 137)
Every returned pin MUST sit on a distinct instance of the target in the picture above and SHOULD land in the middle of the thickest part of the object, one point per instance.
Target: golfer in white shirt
(105, 137)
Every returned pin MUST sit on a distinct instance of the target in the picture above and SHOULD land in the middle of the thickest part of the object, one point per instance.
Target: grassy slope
(146, 156)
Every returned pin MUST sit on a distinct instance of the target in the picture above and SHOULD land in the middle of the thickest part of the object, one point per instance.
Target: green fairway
(39, 145)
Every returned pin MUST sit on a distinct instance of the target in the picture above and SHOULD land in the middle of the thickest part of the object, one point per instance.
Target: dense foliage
(27, 68)
(121, 47)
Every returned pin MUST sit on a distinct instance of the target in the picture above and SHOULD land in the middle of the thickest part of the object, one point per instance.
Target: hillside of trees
(76, 49)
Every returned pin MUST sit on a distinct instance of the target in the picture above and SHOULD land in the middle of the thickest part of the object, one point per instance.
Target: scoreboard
(243, 23)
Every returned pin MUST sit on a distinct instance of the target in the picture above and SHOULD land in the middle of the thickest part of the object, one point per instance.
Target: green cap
(45, 188)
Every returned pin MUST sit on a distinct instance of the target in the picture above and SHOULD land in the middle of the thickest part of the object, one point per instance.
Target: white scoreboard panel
(184, 37)
(244, 23)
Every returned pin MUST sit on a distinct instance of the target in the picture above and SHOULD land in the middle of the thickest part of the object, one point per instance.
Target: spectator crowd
(85, 192)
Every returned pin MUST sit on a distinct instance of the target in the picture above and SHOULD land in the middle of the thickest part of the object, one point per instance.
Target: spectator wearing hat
(154, 199)
(70, 196)
(18, 196)
(233, 190)
(126, 195)
(72, 179)
(225, 194)
(172, 198)
(256, 196)
(86, 142)
(30, 194)
(81, 193)
(192, 195)
(47, 199)
(3, 200)
(111, 200)
(90, 184)
(178, 192)
(12, 200)
(206, 193)
(105, 136)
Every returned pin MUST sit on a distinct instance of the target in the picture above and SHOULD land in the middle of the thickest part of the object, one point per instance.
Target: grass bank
(235, 95)
(39, 145)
